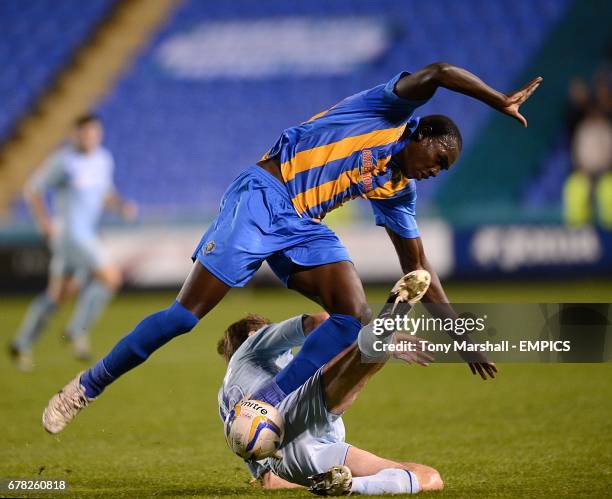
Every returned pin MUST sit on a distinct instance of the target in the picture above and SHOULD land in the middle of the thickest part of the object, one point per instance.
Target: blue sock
(323, 344)
(96, 379)
(149, 335)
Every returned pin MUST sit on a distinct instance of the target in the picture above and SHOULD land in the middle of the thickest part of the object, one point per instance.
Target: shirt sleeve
(398, 214)
(384, 100)
(277, 338)
(50, 174)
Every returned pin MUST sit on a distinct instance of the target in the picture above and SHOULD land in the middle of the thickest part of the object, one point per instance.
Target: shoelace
(68, 405)
(329, 484)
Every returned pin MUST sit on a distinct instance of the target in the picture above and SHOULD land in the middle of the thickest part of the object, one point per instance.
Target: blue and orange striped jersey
(344, 152)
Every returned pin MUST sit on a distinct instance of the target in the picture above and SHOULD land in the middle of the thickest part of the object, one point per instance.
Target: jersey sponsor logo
(367, 168)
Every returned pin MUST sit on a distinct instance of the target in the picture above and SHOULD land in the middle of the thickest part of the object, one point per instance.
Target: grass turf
(536, 431)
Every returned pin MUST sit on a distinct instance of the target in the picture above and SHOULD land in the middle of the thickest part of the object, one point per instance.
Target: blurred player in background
(314, 451)
(80, 179)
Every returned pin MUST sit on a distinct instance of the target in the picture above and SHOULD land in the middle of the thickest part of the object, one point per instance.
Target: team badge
(210, 245)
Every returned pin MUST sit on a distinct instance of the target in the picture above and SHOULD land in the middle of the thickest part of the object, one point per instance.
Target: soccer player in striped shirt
(371, 145)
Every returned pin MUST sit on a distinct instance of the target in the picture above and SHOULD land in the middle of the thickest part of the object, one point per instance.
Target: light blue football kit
(79, 184)
(314, 438)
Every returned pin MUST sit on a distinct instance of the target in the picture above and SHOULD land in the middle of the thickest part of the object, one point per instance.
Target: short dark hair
(237, 333)
(442, 128)
(85, 119)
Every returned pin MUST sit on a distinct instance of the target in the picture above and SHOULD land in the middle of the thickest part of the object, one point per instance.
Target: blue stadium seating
(180, 141)
(37, 38)
(546, 189)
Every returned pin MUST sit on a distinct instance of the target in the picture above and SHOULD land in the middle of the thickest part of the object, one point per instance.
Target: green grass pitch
(536, 431)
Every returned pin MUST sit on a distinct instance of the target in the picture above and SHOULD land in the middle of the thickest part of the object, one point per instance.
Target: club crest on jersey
(367, 168)
(210, 246)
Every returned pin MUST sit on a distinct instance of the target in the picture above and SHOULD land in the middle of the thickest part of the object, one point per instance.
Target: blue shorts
(257, 222)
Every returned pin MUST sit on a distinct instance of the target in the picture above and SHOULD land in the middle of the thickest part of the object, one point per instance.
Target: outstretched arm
(50, 175)
(126, 209)
(422, 85)
(36, 202)
(412, 257)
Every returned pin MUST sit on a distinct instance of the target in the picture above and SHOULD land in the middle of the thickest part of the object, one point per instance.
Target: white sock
(371, 344)
(387, 481)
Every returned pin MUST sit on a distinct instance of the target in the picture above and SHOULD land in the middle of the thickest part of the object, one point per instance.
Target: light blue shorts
(314, 437)
(77, 256)
(257, 222)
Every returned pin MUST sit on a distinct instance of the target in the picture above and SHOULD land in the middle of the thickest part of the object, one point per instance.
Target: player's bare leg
(335, 286)
(343, 379)
(347, 374)
(201, 291)
(198, 296)
(363, 463)
(363, 472)
(366, 473)
(338, 288)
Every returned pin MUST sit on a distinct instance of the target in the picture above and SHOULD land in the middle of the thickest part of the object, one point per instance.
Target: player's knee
(55, 293)
(365, 315)
(358, 309)
(54, 297)
(116, 280)
(178, 320)
(315, 320)
(56, 301)
(430, 479)
(111, 277)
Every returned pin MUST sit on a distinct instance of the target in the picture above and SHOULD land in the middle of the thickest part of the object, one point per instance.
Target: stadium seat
(38, 39)
(209, 129)
(166, 122)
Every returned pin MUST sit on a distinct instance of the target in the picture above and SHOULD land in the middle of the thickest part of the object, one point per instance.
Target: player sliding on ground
(369, 145)
(314, 444)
